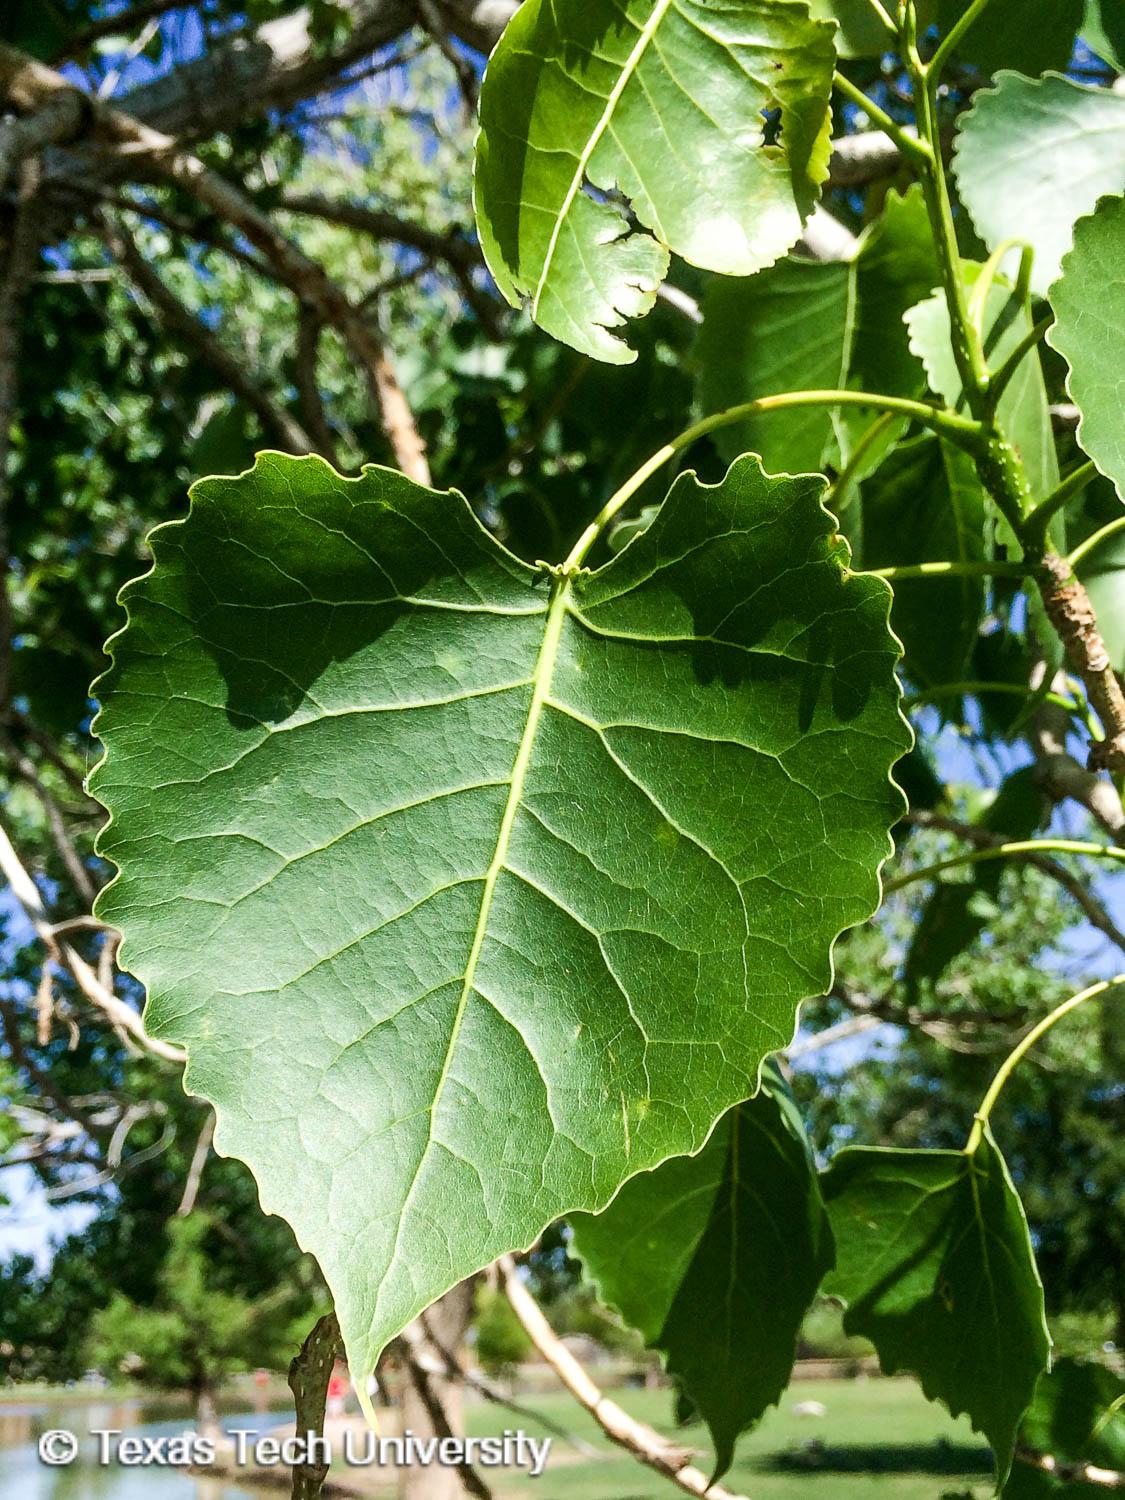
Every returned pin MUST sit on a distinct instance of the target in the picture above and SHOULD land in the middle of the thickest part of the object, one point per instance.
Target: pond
(24, 1477)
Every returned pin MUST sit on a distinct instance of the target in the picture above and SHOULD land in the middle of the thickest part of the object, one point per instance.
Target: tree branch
(122, 1017)
(154, 155)
(195, 1170)
(1070, 611)
(309, 1374)
(643, 1442)
(284, 429)
(1095, 913)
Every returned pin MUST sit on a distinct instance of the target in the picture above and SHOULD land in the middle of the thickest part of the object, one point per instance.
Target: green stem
(1083, 550)
(1040, 518)
(960, 430)
(952, 40)
(910, 146)
(884, 16)
(976, 689)
(1012, 1061)
(978, 298)
(952, 570)
(967, 349)
(1003, 376)
(1005, 851)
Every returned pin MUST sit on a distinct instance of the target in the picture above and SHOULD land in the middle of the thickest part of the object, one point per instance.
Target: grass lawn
(882, 1440)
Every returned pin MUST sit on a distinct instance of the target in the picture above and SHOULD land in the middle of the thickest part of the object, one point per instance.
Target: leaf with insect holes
(473, 889)
(711, 119)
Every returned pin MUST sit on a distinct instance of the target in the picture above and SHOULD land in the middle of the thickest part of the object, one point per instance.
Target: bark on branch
(1071, 613)
(309, 1374)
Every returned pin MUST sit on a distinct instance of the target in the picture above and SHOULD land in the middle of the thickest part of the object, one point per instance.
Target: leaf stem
(963, 431)
(1003, 376)
(976, 689)
(978, 298)
(884, 16)
(910, 145)
(1005, 851)
(952, 570)
(1040, 518)
(1083, 550)
(1010, 1063)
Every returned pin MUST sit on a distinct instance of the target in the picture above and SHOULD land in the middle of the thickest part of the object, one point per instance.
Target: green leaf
(1089, 331)
(925, 504)
(1034, 155)
(1004, 36)
(957, 910)
(809, 325)
(1024, 411)
(787, 329)
(860, 32)
(1078, 1415)
(734, 1241)
(1103, 30)
(935, 1267)
(473, 891)
(1077, 1418)
(713, 121)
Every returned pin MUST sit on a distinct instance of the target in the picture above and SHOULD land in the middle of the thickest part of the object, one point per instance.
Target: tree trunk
(206, 1417)
(433, 1405)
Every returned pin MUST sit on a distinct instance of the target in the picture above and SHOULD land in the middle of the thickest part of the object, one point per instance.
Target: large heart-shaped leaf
(809, 325)
(1023, 409)
(734, 1241)
(1034, 155)
(474, 889)
(713, 121)
(1089, 330)
(935, 1267)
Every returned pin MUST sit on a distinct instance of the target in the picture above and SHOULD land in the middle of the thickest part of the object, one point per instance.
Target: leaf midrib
(613, 98)
(541, 686)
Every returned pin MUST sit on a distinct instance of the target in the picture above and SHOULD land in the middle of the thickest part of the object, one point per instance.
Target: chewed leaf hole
(771, 127)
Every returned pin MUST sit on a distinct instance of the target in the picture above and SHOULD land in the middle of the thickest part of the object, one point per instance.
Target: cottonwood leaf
(814, 325)
(711, 120)
(925, 504)
(1034, 155)
(1024, 412)
(934, 1265)
(1001, 37)
(1078, 1415)
(472, 890)
(716, 1258)
(1089, 331)
(1103, 31)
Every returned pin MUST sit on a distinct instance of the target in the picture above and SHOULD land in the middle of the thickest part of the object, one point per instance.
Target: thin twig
(284, 429)
(638, 1438)
(195, 1170)
(121, 1016)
